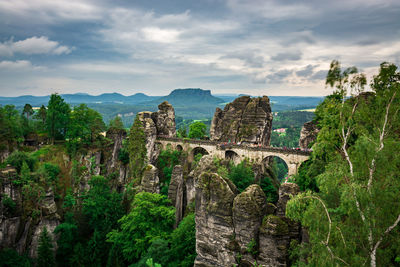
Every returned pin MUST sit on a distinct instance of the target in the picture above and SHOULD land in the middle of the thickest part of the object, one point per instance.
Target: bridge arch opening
(277, 166)
(197, 153)
(232, 155)
(179, 148)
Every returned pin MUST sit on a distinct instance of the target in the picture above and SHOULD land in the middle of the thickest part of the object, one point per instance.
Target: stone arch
(283, 166)
(232, 155)
(197, 150)
(179, 147)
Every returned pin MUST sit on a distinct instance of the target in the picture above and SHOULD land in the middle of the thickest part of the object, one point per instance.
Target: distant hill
(190, 97)
(79, 98)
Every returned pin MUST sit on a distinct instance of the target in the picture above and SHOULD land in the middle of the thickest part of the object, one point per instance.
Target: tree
(28, 111)
(11, 129)
(137, 149)
(45, 250)
(241, 175)
(67, 237)
(102, 208)
(197, 130)
(349, 220)
(57, 117)
(183, 243)
(116, 124)
(182, 132)
(151, 218)
(85, 125)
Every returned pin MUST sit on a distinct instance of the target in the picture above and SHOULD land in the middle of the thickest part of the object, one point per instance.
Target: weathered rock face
(150, 182)
(246, 119)
(286, 191)
(176, 193)
(50, 224)
(214, 224)
(229, 224)
(248, 210)
(277, 231)
(164, 119)
(117, 136)
(308, 134)
(161, 122)
(151, 134)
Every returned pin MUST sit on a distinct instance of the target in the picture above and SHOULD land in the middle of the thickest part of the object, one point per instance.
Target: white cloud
(156, 34)
(33, 45)
(46, 11)
(18, 65)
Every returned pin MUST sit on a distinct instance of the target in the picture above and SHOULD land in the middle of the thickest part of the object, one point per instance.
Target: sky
(257, 47)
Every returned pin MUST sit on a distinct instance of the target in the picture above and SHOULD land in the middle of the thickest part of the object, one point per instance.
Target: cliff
(246, 120)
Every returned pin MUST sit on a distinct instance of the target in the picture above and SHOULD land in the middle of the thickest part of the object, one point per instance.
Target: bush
(17, 158)
(241, 175)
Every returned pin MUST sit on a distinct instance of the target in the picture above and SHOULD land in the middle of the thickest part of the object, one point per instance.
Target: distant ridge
(79, 98)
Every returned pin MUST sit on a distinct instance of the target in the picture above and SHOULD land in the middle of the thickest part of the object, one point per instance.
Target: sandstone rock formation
(176, 193)
(214, 225)
(246, 120)
(150, 182)
(231, 228)
(248, 210)
(150, 131)
(162, 123)
(164, 120)
(308, 134)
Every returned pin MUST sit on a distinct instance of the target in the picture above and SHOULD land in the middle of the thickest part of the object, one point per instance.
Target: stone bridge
(292, 157)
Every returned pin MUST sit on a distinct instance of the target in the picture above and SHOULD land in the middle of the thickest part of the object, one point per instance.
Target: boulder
(308, 134)
(246, 120)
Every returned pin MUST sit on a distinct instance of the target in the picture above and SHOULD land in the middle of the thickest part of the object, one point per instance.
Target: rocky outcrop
(277, 231)
(308, 134)
(176, 193)
(162, 123)
(215, 233)
(150, 131)
(243, 228)
(164, 120)
(117, 136)
(286, 191)
(150, 182)
(245, 120)
(249, 208)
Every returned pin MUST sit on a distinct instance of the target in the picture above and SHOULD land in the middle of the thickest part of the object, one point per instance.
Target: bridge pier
(292, 169)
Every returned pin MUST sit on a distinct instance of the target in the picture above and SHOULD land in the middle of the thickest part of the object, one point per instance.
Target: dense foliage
(197, 130)
(166, 161)
(353, 219)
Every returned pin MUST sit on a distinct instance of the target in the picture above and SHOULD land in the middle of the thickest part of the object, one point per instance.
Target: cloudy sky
(272, 47)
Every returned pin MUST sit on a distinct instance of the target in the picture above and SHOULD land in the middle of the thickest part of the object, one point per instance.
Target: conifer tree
(137, 149)
(45, 250)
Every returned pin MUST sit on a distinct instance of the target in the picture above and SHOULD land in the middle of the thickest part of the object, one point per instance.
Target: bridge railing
(225, 146)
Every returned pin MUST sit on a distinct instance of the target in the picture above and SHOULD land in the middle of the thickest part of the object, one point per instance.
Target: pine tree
(45, 250)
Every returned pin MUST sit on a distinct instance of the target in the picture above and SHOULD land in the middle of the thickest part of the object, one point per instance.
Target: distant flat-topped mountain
(190, 96)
